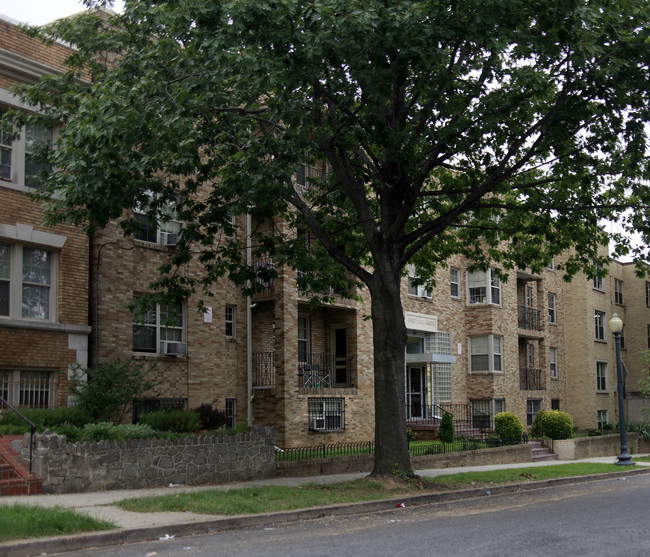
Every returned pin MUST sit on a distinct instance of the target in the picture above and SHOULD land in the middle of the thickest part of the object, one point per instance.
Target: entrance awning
(430, 359)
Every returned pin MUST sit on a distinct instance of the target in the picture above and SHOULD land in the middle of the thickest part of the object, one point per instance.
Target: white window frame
(230, 321)
(494, 353)
(533, 405)
(167, 230)
(419, 291)
(552, 359)
(326, 413)
(552, 308)
(17, 286)
(600, 323)
(601, 419)
(454, 282)
(157, 319)
(618, 292)
(304, 337)
(602, 376)
(18, 154)
(483, 287)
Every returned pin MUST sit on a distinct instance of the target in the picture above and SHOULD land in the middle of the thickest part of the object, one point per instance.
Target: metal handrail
(32, 428)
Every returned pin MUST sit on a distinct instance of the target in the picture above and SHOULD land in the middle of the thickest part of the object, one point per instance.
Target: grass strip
(261, 499)
(19, 522)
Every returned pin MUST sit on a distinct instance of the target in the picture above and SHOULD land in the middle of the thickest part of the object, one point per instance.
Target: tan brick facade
(39, 340)
(306, 363)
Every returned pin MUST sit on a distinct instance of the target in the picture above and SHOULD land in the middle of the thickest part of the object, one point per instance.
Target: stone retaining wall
(587, 447)
(364, 463)
(107, 465)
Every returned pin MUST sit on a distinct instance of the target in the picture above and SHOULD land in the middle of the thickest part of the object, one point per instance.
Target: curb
(77, 542)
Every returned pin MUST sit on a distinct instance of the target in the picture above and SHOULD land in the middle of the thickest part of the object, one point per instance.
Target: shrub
(177, 421)
(446, 431)
(108, 391)
(410, 435)
(557, 424)
(537, 428)
(508, 427)
(210, 417)
(109, 431)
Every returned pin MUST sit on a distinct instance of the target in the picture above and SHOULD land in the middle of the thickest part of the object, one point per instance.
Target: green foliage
(508, 427)
(553, 424)
(211, 418)
(430, 115)
(446, 431)
(108, 391)
(12, 424)
(111, 432)
(410, 435)
(177, 421)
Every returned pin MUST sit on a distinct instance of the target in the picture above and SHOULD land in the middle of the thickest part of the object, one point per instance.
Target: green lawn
(18, 522)
(262, 499)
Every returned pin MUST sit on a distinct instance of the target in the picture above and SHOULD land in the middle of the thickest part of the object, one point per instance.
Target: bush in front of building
(446, 430)
(508, 427)
(175, 421)
(54, 419)
(211, 418)
(553, 424)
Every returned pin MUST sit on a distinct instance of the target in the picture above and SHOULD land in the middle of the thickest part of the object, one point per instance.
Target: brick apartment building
(43, 271)
(477, 345)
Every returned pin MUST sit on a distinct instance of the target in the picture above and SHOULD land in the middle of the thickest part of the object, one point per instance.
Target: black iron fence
(319, 370)
(529, 318)
(325, 451)
(531, 380)
(466, 417)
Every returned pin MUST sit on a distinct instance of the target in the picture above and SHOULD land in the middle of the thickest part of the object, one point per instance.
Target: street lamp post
(616, 326)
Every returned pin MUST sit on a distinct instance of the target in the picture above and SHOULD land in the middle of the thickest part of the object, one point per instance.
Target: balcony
(263, 370)
(305, 178)
(324, 371)
(531, 380)
(264, 268)
(467, 419)
(529, 319)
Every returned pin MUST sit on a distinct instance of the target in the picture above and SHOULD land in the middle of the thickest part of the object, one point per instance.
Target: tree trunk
(389, 341)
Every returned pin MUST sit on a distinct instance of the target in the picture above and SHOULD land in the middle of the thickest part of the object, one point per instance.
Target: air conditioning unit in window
(174, 348)
(316, 424)
(169, 238)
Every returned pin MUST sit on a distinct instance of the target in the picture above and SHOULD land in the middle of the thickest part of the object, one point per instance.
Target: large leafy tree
(502, 130)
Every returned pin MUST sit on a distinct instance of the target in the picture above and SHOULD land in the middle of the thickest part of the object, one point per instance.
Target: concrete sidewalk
(135, 527)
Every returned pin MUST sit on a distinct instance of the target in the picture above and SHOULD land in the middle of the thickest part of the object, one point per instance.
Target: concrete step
(540, 453)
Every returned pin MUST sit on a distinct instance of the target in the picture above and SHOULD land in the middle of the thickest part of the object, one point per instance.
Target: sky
(38, 12)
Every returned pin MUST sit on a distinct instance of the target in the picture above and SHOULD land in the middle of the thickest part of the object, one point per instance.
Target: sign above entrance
(421, 322)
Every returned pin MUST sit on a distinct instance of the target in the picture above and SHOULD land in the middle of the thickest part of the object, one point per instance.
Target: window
(532, 407)
(231, 225)
(484, 410)
(551, 265)
(454, 279)
(552, 358)
(34, 389)
(484, 287)
(648, 333)
(618, 292)
(27, 285)
(230, 320)
(303, 339)
(599, 325)
(17, 156)
(555, 404)
(326, 414)
(165, 229)
(647, 294)
(231, 413)
(486, 354)
(598, 280)
(602, 419)
(552, 308)
(161, 330)
(413, 290)
(601, 376)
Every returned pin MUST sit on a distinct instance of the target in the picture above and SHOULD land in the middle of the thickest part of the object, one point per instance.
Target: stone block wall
(107, 465)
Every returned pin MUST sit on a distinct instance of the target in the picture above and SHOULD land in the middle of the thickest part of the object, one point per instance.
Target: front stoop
(540, 453)
(15, 477)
